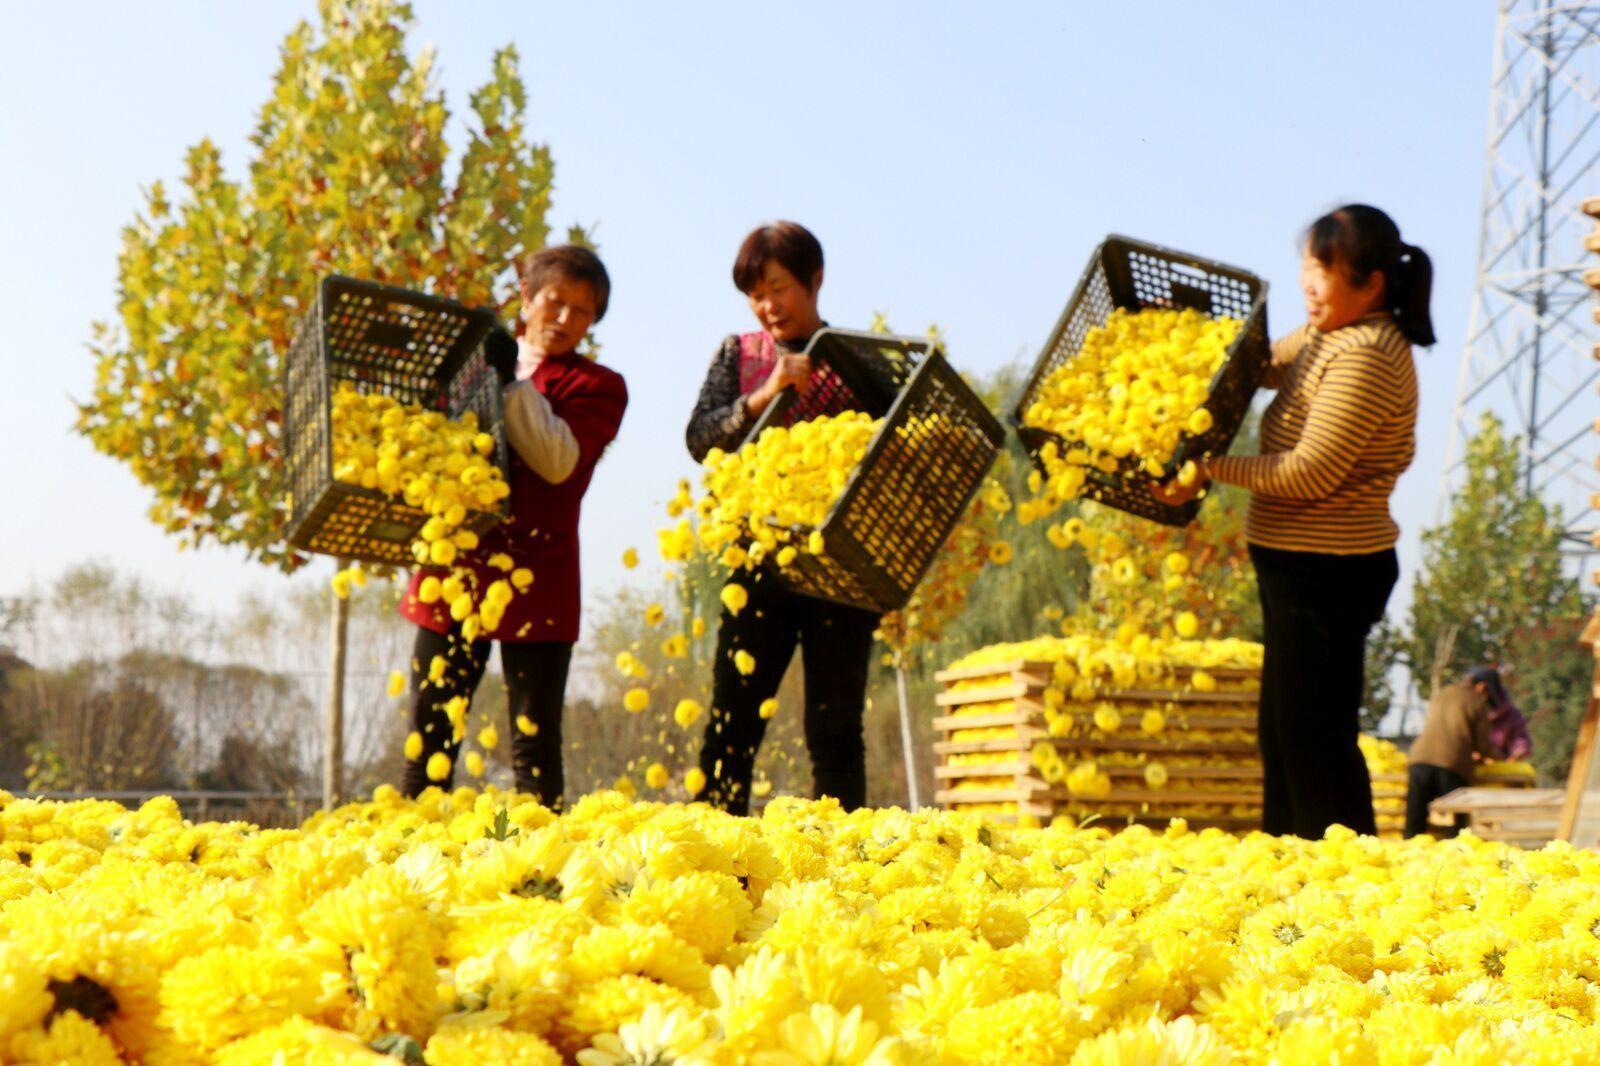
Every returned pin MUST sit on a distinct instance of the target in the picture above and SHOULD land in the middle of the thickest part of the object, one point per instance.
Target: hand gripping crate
(993, 715)
(917, 476)
(416, 348)
(1134, 275)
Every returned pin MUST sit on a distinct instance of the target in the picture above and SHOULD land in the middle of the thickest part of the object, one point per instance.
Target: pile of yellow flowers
(442, 466)
(1113, 727)
(1130, 395)
(479, 927)
(758, 496)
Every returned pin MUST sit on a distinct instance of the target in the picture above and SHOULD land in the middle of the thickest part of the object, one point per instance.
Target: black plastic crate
(416, 348)
(915, 479)
(1134, 275)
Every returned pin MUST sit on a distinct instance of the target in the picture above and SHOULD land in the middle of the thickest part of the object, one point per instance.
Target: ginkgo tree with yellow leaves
(348, 175)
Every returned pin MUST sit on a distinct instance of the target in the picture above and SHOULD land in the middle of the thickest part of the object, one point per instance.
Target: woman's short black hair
(789, 244)
(567, 262)
(1361, 240)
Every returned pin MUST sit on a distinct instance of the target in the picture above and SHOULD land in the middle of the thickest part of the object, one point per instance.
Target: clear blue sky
(958, 161)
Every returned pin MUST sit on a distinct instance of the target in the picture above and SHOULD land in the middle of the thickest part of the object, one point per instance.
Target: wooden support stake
(333, 740)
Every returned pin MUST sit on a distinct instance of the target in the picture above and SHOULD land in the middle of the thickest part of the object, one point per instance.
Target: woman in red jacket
(561, 410)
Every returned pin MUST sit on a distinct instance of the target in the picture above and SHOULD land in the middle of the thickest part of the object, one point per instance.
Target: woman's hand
(790, 369)
(1175, 493)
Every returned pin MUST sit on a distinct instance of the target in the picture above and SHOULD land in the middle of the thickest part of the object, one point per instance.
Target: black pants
(836, 649)
(1317, 610)
(1424, 785)
(536, 686)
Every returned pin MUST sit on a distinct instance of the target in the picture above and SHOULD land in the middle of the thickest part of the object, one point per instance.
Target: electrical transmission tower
(1530, 352)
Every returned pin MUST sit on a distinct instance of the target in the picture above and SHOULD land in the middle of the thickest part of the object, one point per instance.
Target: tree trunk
(906, 745)
(333, 741)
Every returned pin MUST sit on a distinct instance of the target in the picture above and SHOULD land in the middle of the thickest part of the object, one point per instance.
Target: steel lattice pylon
(1530, 348)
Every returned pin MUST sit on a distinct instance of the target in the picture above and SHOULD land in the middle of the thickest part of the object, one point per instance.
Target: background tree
(1493, 588)
(348, 175)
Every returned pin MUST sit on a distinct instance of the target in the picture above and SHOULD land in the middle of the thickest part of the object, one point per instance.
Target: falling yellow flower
(397, 683)
(769, 707)
(630, 558)
(656, 776)
(488, 737)
(1186, 625)
(1176, 563)
(1152, 722)
(654, 614)
(429, 589)
(436, 668)
(1155, 775)
(744, 662)
(438, 766)
(694, 781)
(474, 764)
(526, 726)
(413, 745)
(1000, 552)
(734, 597)
(521, 578)
(636, 699)
(687, 712)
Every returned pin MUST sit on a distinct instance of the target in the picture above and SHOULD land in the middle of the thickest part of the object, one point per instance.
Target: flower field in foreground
(479, 927)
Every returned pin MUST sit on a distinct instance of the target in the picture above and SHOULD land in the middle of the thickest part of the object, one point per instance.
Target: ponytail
(1407, 291)
(1360, 239)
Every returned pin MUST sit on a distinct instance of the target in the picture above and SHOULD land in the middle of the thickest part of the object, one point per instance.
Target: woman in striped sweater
(1340, 432)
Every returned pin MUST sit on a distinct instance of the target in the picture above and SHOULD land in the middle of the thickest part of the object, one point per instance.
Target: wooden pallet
(1527, 817)
(1016, 782)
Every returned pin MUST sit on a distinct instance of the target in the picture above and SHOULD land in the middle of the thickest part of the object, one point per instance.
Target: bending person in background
(561, 410)
(1458, 733)
(779, 269)
(1339, 433)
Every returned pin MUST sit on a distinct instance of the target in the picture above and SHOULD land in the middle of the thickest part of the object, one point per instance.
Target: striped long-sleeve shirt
(1340, 432)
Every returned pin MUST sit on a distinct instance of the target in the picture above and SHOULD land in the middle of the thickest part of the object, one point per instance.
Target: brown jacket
(1458, 725)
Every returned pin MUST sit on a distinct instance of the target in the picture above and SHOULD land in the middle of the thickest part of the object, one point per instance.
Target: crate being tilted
(994, 717)
(1133, 275)
(416, 348)
(918, 474)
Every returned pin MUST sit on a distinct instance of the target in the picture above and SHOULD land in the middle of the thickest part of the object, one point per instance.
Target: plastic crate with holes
(918, 474)
(419, 349)
(1133, 275)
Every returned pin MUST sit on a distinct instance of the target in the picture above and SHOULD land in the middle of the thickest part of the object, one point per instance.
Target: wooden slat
(998, 769)
(949, 722)
(1152, 695)
(1211, 773)
(1011, 690)
(1477, 799)
(974, 747)
(980, 795)
(1040, 671)
(1590, 205)
(1161, 796)
(1591, 240)
(1210, 747)
(1043, 671)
